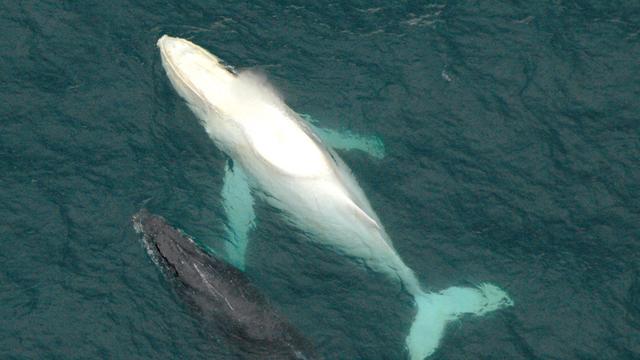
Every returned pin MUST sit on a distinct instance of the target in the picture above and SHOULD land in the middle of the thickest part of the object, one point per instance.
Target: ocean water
(512, 132)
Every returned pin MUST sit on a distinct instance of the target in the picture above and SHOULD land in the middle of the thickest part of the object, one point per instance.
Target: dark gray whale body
(222, 293)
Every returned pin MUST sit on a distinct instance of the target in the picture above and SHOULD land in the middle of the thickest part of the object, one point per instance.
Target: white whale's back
(278, 139)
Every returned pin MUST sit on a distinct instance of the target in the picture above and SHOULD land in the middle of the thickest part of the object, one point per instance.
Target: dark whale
(222, 294)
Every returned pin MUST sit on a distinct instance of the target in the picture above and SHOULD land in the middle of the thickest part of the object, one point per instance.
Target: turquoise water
(512, 143)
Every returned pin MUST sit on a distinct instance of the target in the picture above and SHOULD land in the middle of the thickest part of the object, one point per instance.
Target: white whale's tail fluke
(435, 310)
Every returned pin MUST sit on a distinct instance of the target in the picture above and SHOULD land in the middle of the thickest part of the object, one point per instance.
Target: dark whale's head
(173, 250)
(221, 293)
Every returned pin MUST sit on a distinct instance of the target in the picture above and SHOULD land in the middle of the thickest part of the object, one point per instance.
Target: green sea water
(512, 137)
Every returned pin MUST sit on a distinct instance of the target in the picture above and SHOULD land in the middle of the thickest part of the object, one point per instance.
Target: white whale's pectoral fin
(238, 205)
(347, 140)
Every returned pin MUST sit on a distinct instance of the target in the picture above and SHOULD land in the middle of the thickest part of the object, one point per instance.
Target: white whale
(281, 156)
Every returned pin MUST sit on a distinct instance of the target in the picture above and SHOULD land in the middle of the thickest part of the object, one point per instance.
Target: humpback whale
(281, 156)
(222, 293)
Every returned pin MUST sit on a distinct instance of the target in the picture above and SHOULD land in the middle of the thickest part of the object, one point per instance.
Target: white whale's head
(198, 76)
(209, 88)
(240, 111)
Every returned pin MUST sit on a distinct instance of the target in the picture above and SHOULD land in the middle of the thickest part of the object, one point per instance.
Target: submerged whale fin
(238, 205)
(435, 310)
(347, 140)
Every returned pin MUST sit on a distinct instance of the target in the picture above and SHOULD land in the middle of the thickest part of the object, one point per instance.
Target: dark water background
(513, 138)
